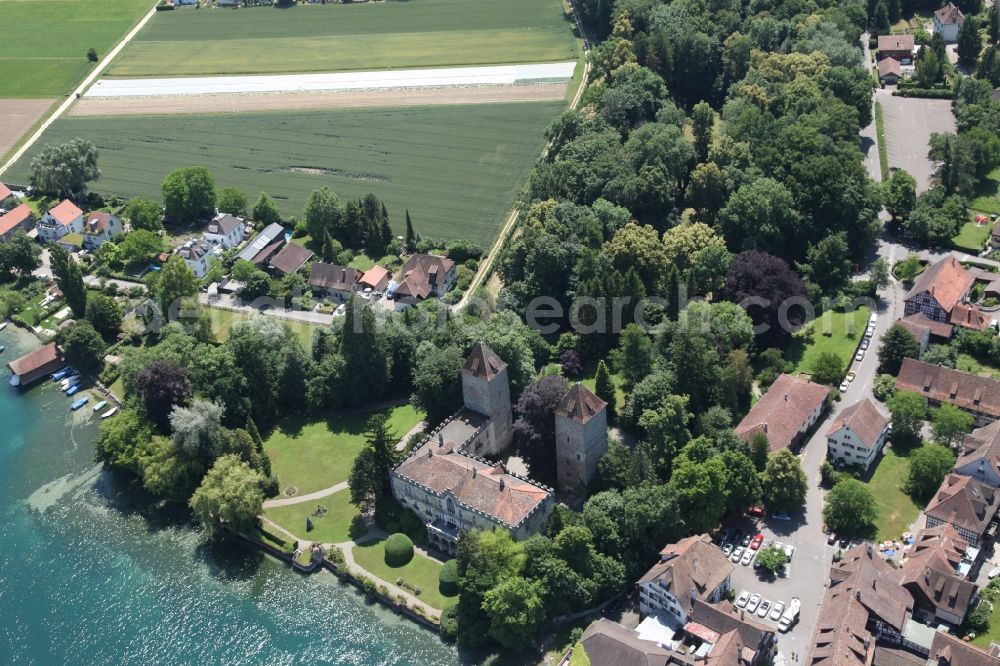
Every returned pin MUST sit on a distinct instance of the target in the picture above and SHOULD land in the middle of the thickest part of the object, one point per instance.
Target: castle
(447, 482)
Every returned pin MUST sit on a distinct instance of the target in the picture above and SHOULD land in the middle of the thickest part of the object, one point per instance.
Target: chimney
(474, 472)
(430, 453)
(502, 484)
(440, 439)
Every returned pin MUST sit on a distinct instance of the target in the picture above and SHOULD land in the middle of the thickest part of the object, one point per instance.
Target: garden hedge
(448, 579)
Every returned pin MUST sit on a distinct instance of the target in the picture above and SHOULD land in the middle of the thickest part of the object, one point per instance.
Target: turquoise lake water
(90, 573)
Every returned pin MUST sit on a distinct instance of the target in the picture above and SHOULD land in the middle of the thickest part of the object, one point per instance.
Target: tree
(969, 43)
(743, 488)
(827, 369)
(784, 483)
(760, 449)
(702, 122)
(899, 194)
(322, 214)
(850, 508)
(437, 385)
(485, 558)
(929, 464)
(604, 389)
(634, 355)
(91, 55)
(908, 411)
(197, 429)
(883, 387)
(534, 430)
(951, 424)
(143, 214)
(265, 211)
(83, 347)
(162, 386)
(257, 284)
(63, 171)
(622, 467)
(104, 313)
(764, 283)
(363, 348)
(139, 246)
(828, 264)
(19, 255)
(231, 200)
(930, 70)
(879, 273)
(516, 612)
(761, 215)
(369, 480)
(189, 195)
(411, 238)
(772, 558)
(230, 494)
(897, 344)
(69, 276)
(121, 438)
(683, 243)
(701, 492)
(176, 283)
(665, 429)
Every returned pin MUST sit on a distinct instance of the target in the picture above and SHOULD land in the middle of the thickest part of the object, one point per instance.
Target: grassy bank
(836, 332)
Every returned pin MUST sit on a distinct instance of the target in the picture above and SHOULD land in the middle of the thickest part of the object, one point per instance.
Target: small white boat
(69, 383)
(100, 405)
(108, 414)
(2, 348)
(3, 325)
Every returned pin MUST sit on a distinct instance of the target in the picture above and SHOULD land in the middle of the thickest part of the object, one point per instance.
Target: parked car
(994, 572)
(757, 540)
(832, 539)
(864, 343)
(756, 511)
(778, 609)
(743, 599)
(870, 332)
(872, 319)
(860, 355)
(844, 385)
(746, 540)
(789, 551)
(737, 554)
(764, 607)
(783, 517)
(747, 557)
(727, 549)
(753, 604)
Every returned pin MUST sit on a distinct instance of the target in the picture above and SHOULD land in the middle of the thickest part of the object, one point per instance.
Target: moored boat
(77, 404)
(108, 414)
(3, 325)
(99, 405)
(61, 374)
(69, 382)
(72, 390)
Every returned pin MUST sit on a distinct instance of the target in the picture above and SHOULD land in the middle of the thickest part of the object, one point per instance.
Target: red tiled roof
(580, 405)
(968, 316)
(14, 218)
(782, 411)
(964, 502)
(34, 360)
(896, 42)
(970, 392)
(914, 322)
(421, 273)
(374, 277)
(4, 192)
(947, 281)
(65, 212)
(863, 420)
(100, 220)
(887, 66)
(949, 15)
(690, 568)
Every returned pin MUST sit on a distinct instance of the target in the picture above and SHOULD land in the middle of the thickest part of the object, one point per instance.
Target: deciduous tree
(784, 483)
(951, 424)
(897, 344)
(64, 170)
(929, 464)
(83, 347)
(230, 494)
(850, 508)
(231, 200)
(144, 214)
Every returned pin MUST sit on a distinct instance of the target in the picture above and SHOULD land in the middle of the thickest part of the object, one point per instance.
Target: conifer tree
(411, 240)
(604, 389)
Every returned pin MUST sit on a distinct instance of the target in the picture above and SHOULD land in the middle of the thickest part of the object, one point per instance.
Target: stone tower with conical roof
(486, 390)
(581, 440)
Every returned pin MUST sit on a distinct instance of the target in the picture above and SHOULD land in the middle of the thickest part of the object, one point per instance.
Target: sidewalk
(285, 501)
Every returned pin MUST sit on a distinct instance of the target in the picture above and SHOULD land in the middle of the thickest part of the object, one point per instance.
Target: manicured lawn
(456, 168)
(314, 454)
(993, 633)
(44, 49)
(837, 332)
(987, 197)
(429, 33)
(967, 363)
(896, 509)
(224, 320)
(971, 237)
(333, 526)
(421, 572)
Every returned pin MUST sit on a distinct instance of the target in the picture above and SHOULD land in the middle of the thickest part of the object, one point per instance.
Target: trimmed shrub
(449, 622)
(448, 579)
(398, 550)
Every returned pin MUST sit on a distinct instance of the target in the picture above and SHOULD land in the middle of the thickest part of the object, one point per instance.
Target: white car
(994, 572)
(870, 332)
(727, 549)
(860, 355)
(764, 607)
(737, 554)
(776, 612)
(743, 599)
(872, 319)
(844, 385)
(789, 551)
(747, 557)
(753, 603)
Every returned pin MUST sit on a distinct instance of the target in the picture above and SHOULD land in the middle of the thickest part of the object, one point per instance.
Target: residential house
(334, 282)
(226, 230)
(198, 255)
(935, 576)
(375, 278)
(857, 435)
(948, 650)
(939, 289)
(35, 365)
(264, 245)
(969, 316)
(66, 218)
(422, 276)
(18, 219)
(99, 228)
(980, 396)
(6, 196)
(289, 259)
(691, 569)
(922, 329)
(865, 605)
(889, 71)
(898, 47)
(447, 483)
(948, 21)
(785, 413)
(607, 642)
(967, 505)
(980, 455)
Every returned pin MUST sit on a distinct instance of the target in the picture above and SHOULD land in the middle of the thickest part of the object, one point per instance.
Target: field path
(101, 66)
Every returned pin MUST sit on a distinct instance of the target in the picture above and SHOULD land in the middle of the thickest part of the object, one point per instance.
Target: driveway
(909, 123)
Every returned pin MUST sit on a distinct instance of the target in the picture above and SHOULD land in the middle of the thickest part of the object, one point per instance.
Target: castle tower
(486, 390)
(581, 440)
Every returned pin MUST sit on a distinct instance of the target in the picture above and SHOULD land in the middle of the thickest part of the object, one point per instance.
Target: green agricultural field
(344, 37)
(456, 168)
(44, 49)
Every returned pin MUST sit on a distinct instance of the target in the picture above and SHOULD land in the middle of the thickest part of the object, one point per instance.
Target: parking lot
(909, 123)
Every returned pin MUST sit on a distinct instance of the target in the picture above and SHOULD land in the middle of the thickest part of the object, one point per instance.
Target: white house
(857, 435)
(693, 568)
(948, 21)
(198, 255)
(99, 228)
(225, 230)
(63, 219)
